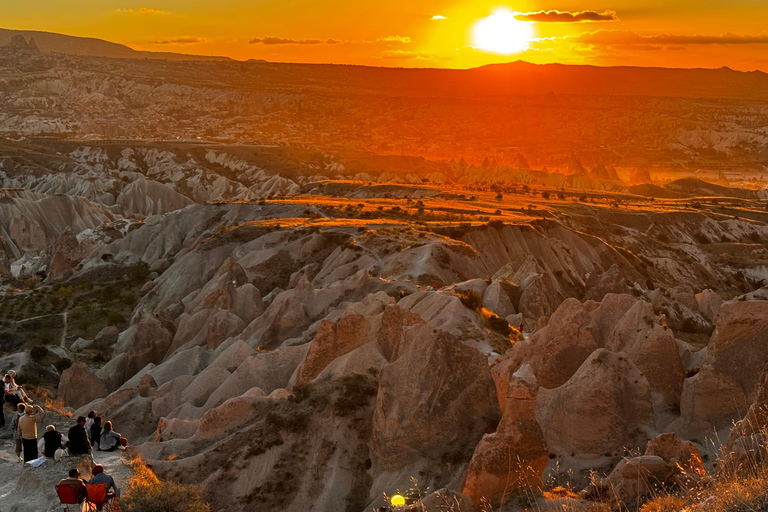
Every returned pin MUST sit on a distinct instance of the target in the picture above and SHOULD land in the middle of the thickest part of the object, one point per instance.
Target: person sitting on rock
(15, 427)
(100, 477)
(75, 481)
(96, 432)
(51, 441)
(13, 392)
(28, 431)
(109, 440)
(78, 438)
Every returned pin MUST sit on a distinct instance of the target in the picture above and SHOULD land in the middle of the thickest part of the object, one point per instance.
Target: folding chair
(68, 495)
(98, 497)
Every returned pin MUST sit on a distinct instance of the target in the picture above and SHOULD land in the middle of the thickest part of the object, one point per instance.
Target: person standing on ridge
(28, 431)
(15, 427)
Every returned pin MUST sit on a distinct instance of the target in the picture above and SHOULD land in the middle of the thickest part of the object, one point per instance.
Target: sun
(502, 33)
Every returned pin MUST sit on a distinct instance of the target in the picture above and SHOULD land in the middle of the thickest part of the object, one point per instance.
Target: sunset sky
(423, 33)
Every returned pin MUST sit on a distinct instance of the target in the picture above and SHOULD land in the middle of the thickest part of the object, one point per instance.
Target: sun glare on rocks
(502, 33)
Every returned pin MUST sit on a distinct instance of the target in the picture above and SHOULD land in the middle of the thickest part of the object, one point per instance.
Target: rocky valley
(297, 316)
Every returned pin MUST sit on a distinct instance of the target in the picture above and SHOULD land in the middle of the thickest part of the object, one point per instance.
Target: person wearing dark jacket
(52, 441)
(78, 438)
(96, 431)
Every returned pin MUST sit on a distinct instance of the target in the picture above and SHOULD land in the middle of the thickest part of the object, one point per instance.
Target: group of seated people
(80, 439)
(98, 477)
(86, 435)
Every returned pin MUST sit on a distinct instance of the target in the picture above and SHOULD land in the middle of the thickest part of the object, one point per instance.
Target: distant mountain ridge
(517, 78)
(90, 46)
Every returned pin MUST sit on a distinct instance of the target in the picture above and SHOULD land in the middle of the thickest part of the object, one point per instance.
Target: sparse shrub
(498, 324)
(689, 325)
(471, 299)
(147, 493)
(62, 364)
(294, 421)
(701, 238)
(355, 391)
(138, 271)
(38, 353)
(115, 318)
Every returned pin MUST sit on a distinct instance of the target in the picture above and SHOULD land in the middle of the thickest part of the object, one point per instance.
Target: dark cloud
(621, 37)
(565, 16)
(179, 40)
(280, 40)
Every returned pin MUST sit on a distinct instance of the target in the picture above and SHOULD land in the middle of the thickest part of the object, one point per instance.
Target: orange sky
(687, 33)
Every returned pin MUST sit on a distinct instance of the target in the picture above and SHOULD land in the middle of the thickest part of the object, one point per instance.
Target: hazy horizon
(435, 34)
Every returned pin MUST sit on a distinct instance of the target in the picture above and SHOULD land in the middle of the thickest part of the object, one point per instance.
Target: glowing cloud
(394, 39)
(502, 33)
(280, 40)
(438, 17)
(179, 40)
(566, 17)
(142, 10)
(622, 37)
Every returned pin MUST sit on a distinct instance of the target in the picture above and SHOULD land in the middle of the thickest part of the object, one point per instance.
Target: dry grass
(742, 490)
(147, 493)
(43, 396)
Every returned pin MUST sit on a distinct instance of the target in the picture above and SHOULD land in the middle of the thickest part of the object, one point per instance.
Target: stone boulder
(497, 300)
(741, 448)
(709, 304)
(729, 379)
(563, 345)
(511, 460)
(437, 397)
(146, 341)
(604, 407)
(331, 341)
(652, 348)
(667, 461)
(264, 370)
(636, 477)
(683, 455)
(79, 386)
